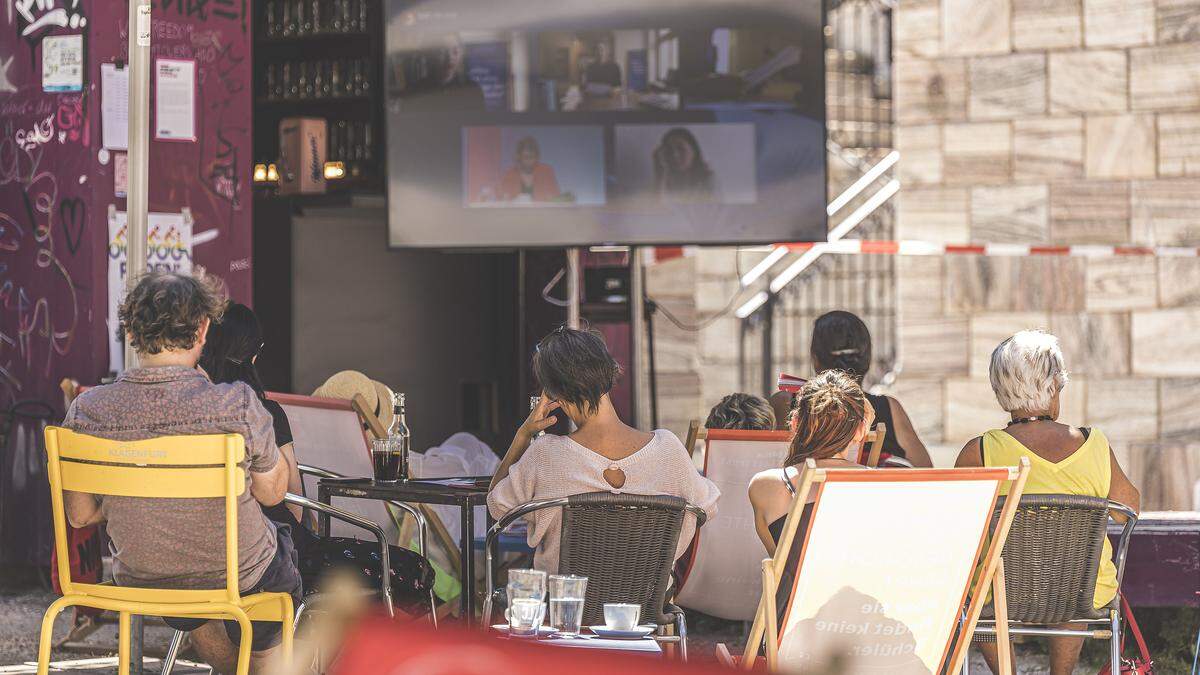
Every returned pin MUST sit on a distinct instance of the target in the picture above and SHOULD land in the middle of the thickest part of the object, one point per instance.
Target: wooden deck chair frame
(697, 433)
(710, 435)
(167, 467)
(764, 633)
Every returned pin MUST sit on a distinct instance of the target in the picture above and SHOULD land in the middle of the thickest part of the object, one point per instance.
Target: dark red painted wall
(55, 191)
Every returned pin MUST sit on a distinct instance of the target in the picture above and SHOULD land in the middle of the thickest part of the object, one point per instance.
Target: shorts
(281, 576)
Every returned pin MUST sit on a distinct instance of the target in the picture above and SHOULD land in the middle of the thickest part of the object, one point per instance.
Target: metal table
(422, 491)
(645, 646)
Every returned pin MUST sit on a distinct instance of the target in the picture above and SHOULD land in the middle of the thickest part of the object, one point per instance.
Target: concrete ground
(21, 613)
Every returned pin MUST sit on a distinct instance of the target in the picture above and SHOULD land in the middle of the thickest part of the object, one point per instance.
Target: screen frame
(609, 121)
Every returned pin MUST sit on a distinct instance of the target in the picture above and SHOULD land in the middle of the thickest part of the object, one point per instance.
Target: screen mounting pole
(637, 325)
(137, 204)
(573, 287)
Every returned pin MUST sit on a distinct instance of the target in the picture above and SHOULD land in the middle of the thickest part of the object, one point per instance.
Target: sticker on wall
(62, 63)
(120, 175)
(175, 100)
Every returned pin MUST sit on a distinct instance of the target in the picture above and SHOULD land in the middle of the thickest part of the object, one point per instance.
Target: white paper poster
(62, 63)
(175, 100)
(169, 248)
(114, 106)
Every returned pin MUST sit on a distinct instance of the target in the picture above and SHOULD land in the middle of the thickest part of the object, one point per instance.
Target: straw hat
(386, 415)
(347, 383)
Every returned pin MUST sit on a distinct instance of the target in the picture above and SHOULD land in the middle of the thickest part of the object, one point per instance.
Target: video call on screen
(537, 123)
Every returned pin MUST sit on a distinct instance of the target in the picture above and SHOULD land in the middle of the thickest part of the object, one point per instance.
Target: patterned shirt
(180, 543)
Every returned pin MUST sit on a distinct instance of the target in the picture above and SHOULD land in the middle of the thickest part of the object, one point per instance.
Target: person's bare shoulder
(971, 454)
(764, 485)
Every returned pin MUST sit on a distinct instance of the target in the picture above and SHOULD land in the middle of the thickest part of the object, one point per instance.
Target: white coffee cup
(621, 615)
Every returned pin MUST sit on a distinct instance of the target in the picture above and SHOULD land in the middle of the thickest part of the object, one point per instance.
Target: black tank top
(788, 575)
(883, 413)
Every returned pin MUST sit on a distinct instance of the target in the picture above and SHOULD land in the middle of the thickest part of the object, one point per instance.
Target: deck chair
(869, 453)
(327, 435)
(330, 441)
(724, 575)
(883, 594)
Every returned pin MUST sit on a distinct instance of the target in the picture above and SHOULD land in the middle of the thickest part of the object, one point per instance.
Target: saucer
(635, 634)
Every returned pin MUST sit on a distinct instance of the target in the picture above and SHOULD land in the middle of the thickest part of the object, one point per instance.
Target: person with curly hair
(741, 411)
(180, 543)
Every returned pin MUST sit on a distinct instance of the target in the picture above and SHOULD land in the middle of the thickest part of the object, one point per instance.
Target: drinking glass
(385, 457)
(567, 592)
(526, 602)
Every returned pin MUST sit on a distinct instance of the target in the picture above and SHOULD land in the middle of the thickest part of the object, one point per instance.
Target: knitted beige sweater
(556, 466)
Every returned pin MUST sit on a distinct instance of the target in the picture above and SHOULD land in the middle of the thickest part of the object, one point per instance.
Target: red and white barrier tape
(912, 247)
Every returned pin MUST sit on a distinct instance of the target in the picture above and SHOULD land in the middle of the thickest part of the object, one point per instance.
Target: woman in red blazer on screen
(529, 179)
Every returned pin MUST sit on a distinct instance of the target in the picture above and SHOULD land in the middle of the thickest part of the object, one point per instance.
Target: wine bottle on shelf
(400, 433)
(304, 17)
(272, 18)
(288, 18)
(316, 15)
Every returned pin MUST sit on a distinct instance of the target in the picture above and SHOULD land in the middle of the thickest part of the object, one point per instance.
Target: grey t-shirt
(180, 543)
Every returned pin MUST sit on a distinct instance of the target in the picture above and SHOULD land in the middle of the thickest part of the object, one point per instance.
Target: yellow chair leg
(47, 636)
(288, 630)
(123, 636)
(243, 662)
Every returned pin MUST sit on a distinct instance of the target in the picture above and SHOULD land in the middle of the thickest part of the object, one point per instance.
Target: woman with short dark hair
(841, 341)
(577, 373)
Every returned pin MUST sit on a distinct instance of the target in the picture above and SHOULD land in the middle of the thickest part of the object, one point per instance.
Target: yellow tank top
(1087, 471)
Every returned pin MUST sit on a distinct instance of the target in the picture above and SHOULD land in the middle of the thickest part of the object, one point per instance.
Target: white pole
(573, 287)
(637, 324)
(137, 204)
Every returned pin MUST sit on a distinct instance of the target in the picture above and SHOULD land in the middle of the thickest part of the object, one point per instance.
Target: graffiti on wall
(39, 306)
(35, 18)
(44, 198)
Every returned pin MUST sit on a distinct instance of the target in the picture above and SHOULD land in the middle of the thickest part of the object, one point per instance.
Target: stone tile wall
(1066, 122)
(1049, 121)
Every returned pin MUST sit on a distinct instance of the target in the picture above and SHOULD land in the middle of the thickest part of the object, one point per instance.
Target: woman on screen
(529, 180)
(680, 172)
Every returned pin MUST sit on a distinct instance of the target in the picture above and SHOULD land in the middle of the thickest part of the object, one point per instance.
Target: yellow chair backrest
(197, 467)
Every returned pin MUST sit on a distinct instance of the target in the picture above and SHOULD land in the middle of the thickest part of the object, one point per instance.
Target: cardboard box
(302, 155)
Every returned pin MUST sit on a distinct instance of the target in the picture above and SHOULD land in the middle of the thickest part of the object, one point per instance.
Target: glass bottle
(400, 433)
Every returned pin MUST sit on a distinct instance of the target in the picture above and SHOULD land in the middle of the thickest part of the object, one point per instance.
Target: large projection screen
(527, 123)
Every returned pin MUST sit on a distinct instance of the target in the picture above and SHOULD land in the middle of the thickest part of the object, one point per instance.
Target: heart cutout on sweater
(615, 476)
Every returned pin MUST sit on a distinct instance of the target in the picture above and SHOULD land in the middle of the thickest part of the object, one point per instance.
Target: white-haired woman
(1028, 376)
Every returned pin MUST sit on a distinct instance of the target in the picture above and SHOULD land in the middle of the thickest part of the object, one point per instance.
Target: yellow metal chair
(200, 467)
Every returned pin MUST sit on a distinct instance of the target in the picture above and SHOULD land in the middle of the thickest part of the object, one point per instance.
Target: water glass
(526, 602)
(567, 593)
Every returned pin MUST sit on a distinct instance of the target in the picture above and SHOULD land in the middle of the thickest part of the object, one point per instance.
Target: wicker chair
(623, 543)
(1051, 559)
